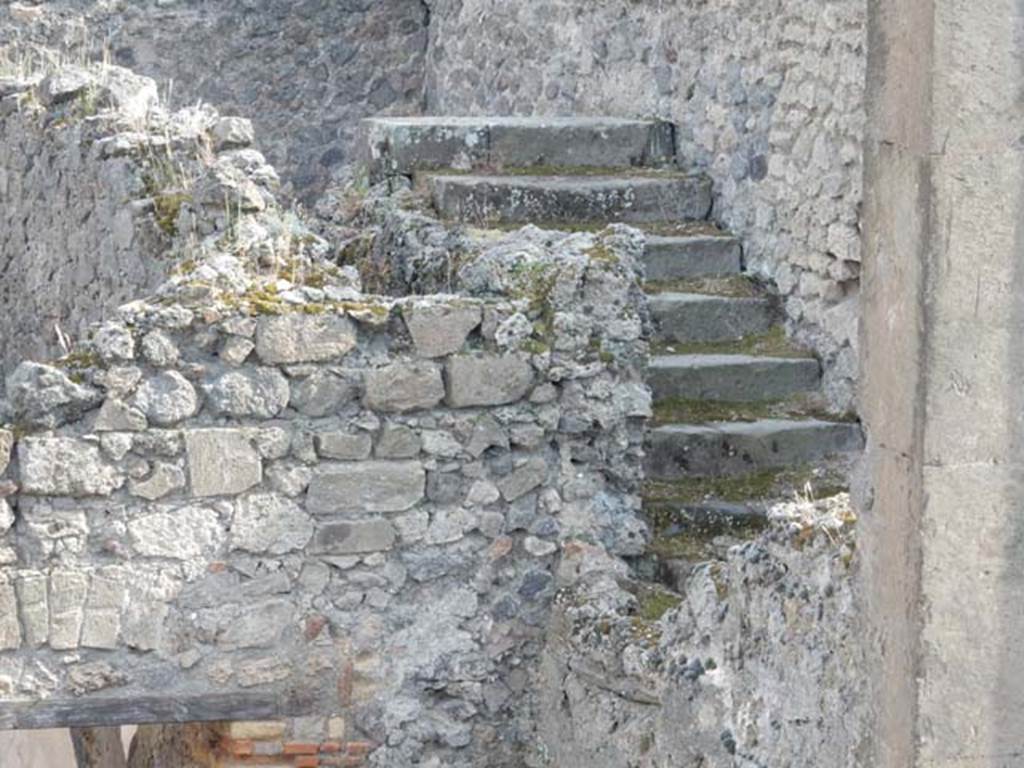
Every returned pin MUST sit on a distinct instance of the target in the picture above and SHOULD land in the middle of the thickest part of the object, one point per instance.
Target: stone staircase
(738, 414)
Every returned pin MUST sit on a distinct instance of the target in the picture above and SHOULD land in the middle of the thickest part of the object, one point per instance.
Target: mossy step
(692, 317)
(674, 257)
(477, 199)
(734, 378)
(802, 406)
(731, 448)
(817, 480)
(729, 286)
(772, 343)
(403, 145)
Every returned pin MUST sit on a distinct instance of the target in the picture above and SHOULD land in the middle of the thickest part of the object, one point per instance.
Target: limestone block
(270, 523)
(236, 350)
(440, 329)
(63, 466)
(32, 590)
(221, 462)
(353, 538)
(117, 416)
(67, 599)
(232, 133)
(6, 445)
(166, 399)
(304, 338)
(366, 487)
(259, 392)
(6, 517)
(114, 343)
(101, 628)
(530, 475)
(321, 394)
(260, 627)
(41, 395)
(10, 627)
(179, 534)
(344, 446)
(487, 433)
(159, 349)
(164, 479)
(397, 441)
(488, 379)
(263, 671)
(404, 387)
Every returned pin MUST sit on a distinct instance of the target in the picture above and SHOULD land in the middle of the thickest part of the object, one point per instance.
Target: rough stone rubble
(260, 484)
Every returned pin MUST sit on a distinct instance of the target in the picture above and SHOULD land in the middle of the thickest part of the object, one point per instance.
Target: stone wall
(305, 72)
(761, 662)
(71, 249)
(259, 493)
(768, 97)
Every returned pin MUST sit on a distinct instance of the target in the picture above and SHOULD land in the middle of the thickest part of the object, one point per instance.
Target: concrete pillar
(943, 380)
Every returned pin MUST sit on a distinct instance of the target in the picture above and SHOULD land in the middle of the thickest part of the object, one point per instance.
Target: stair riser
(680, 258)
(584, 201)
(720, 319)
(743, 382)
(691, 453)
(395, 147)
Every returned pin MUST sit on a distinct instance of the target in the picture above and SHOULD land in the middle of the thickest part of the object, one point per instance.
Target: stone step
(678, 450)
(735, 378)
(404, 145)
(695, 317)
(584, 198)
(711, 517)
(680, 257)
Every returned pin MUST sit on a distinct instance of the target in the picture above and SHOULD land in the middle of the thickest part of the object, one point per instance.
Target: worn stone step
(404, 145)
(480, 199)
(695, 317)
(679, 450)
(679, 257)
(736, 378)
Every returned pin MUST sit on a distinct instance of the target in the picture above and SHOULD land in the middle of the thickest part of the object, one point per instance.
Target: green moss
(733, 286)
(79, 360)
(768, 484)
(166, 207)
(656, 602)
(774, 343)
(677, 410)
(601, 253)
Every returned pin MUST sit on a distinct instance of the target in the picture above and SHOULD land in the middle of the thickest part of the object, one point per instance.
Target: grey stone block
(737, 378)
(404, 387)
(368, 486)
(259, 392)
(63, 466)
(304, 338)
(353, 538)
(222, 462)
(344, 445)
(675, 258)
(167, 399)
(604, 199)
(685, 317)
(440, 329)
(403, 145)
(265, 522)
(488, 379)
(738, 448)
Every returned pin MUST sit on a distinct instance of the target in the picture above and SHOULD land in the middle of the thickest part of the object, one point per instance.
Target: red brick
(307, 761)
(301, 748)
(217, 567)
(331, 746)
(359, 748)
(315, 624)
(345, 683)
(237, 747)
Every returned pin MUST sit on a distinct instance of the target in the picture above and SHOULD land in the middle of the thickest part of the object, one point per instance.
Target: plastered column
(943, 391)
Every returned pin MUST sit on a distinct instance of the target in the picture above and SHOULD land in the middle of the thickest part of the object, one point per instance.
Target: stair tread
(561, 181)
(714, 360)
(758, 427)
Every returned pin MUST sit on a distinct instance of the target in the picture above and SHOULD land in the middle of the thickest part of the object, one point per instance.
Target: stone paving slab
(736, 378)
(736, 448)
(679, 257)
(403, 145)
(693, 317)
(630, 199)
